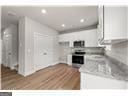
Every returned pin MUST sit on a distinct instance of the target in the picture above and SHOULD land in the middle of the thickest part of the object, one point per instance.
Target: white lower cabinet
(69, 60)
(96, 82)
(126, 85)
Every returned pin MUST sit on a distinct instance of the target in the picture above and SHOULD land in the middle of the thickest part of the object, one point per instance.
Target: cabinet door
(69, 60)
(43, 48)
(115, 22)
(66, 37)
(62, 38)
(96, 82)
(91, 38)
(71, 43)
(8, 51)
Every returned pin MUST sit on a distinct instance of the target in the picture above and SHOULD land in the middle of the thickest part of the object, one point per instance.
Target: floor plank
(57, 77)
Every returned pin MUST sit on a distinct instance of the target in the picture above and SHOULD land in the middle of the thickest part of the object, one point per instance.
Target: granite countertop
(102, 66)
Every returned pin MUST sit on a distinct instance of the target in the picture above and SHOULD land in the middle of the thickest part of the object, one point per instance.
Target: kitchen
(96, 45)
(100, 56)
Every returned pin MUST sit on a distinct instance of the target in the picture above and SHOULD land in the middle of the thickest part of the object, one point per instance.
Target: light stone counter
(104, 67)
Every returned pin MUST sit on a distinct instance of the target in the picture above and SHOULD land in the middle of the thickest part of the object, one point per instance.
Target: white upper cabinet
(127, 22)
(63, 38)
(113, 24)
(89, 36)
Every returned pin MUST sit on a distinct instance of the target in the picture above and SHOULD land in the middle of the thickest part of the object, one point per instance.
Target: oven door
(77, 59)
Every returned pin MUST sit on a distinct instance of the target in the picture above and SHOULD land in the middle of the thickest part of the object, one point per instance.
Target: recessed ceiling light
(81, 20)
(43, 11)
(63, 25)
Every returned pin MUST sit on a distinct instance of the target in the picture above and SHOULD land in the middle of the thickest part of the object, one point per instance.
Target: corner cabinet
(113, 22)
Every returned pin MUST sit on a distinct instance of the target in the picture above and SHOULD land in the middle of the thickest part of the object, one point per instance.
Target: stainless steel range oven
(77, 59)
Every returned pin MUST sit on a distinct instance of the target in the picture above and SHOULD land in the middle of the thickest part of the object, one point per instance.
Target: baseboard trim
(26, 73)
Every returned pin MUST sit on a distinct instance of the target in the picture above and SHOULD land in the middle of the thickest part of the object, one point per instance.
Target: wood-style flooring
(57, 77)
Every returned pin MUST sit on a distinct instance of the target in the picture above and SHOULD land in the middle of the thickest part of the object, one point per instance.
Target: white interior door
(7, 50)
(43, 48)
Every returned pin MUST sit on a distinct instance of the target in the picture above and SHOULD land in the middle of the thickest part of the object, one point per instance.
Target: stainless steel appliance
(78, 59)
(79, 44)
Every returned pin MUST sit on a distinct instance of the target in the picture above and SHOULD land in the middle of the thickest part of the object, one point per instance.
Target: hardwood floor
(57, 77)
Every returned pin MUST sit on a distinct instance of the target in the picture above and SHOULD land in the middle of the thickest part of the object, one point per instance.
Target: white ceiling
(55, 16)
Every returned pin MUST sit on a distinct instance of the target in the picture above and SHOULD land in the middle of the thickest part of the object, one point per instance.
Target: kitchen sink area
(100, 66)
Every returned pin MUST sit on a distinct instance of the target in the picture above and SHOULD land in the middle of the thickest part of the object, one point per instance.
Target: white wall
(27, 27)
(119, 52)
